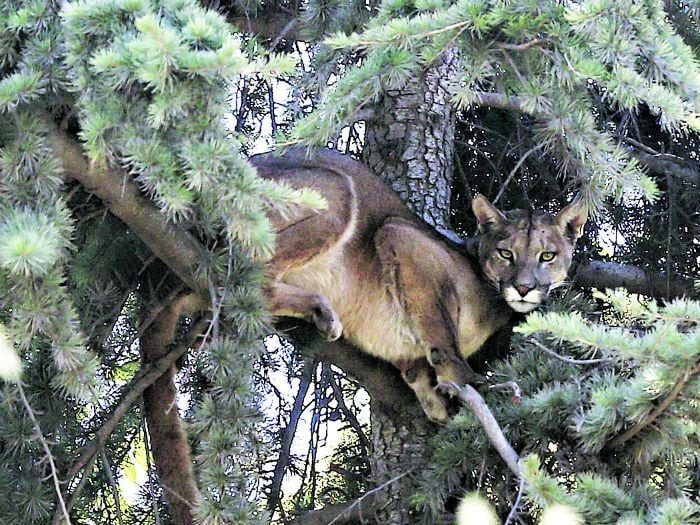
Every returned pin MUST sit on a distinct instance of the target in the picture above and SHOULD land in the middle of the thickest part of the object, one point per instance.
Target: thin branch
(521, 47)
(358, 502)
(478, 406)
(149, 469)
(514, 511)
(512, 385)
(49, 456)
(148, 374)
(288, 436)
(113, 484)
(515, 170)
(349, 415)
(58, 515)
(569, 360)
(653, 415)
(349, 512)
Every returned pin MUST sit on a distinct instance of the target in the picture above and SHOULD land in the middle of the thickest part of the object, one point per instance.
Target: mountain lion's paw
(327, 322)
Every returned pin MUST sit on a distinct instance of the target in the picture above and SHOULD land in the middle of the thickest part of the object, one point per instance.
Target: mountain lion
(368, 269)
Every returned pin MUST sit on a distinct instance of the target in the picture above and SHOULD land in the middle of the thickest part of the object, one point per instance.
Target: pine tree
(121, 189)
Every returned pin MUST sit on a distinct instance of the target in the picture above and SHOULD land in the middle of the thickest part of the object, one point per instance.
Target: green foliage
(541, 58)
(144, 84)
(610, 432)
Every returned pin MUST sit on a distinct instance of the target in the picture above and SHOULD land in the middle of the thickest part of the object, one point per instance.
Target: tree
(123, 100)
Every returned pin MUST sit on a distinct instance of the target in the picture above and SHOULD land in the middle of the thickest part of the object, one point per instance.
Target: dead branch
(469, 396)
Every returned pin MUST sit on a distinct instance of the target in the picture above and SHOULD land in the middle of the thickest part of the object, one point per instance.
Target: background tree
(124, 100)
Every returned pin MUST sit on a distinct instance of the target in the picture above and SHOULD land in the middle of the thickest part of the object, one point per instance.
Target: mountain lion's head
(526, 255)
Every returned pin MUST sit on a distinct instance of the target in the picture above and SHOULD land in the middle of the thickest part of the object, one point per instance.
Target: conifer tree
(122, 190)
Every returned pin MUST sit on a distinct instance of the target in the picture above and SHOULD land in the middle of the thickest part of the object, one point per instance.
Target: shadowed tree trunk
(410, 145)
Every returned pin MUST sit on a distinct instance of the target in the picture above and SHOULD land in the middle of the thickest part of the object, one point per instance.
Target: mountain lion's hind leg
(286, 300)
(418, 376)
(299, 241)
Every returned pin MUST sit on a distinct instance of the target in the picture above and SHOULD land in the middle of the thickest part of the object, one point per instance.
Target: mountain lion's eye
(506, 254)
(547, 256)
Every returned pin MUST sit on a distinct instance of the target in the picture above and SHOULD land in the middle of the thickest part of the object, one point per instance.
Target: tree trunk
(410, 144)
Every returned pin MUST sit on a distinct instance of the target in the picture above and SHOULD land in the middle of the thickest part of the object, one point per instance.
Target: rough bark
(168, 439)
(410, 144)
(602, 275)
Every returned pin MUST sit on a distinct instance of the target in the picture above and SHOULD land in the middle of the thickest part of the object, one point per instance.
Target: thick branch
(599, 274)
(172, 245)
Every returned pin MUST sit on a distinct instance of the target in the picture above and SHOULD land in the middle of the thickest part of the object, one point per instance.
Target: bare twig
(476, 403)
(113, 484)
(514, 171)
(49, 456)
(349, 415)
(513, 511)
(358, 501)
(570, 360)
(653, 415)
(521, 47)
(151, 481)
(512, 385)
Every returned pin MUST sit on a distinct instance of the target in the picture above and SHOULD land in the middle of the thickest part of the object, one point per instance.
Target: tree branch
(348, 512)
(500, 101)
(288, 436)
(172, 245)
(478, 406)
(653, 415)
(273, 26)
(599, 274)
(663, 162)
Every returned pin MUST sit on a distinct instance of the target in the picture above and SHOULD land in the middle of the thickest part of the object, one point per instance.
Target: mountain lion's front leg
(286, 300)
(416, 268)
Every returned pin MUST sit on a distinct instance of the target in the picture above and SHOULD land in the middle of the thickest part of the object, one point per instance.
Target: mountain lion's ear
(572, 219)
(485, 212)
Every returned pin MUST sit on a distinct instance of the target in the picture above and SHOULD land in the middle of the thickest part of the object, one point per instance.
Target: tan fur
(367, 267)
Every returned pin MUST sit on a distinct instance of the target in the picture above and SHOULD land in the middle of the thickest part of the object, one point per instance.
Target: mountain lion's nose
(523, 290)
